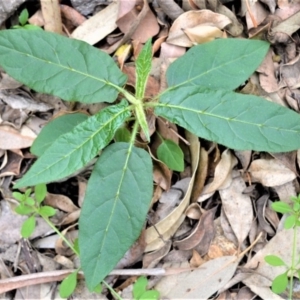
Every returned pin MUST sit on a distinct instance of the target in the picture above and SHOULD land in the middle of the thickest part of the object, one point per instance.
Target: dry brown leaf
(192, 19)
(270, 172)
(290, 73)
(72, 15)
(162, 175)
(147, 27)
(150, 260)
(14, 160)
(260, 281)
(61, 202)
(98, 26)
(168, 226)
(235, 28)
(11, 138)
(266, 71)
(255, 15)
(282, 32)
(238, 208)
(51, 15)
(222, 176)
(202, 283)
(203, 228)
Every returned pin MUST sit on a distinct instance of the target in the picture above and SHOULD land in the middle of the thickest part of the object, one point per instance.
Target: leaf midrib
(67, 68)
(202, 74)
(166, 105)
(81, 145)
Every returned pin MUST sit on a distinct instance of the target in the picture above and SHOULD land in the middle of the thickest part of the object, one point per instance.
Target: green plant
(140, 291)
(280, 282)
(199, 98)
(23, 19)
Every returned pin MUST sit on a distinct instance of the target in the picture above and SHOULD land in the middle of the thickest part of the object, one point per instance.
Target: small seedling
(140, 291)
(199, 98)
(23, 19)
(280, 282)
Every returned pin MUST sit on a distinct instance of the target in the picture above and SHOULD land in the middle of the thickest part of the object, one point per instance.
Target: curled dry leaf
(150, 260)
(204, 228)
(61, 202)
(168, 226)
(290, 73)
(222, 176)
(270, 172)
(201, 25)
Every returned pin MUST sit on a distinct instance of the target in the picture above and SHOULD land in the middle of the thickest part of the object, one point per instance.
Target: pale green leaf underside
(221, 64)
(75, 149)
(54, 129)
(143, 68)
(241, 122)
(53, 64)
(114, 210)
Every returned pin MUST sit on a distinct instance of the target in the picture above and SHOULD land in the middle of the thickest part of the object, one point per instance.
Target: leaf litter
(202, 219)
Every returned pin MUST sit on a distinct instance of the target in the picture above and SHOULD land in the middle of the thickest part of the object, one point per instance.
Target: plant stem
(293, 267)
(60, 235)
(113, 292)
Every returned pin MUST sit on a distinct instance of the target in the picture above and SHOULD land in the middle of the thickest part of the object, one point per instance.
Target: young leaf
(141, 117)
(139, 287)
(114, 210)
(274, 260)
(281, 207)
(29, 201)
(68, 285)
(57, 65)
(290, 222)
(75, 149)
(237, 121)
(171, 154)
(143, 68)
(149, 295)
(54, 129)
(40, 192)
(221, 64)
(47, 211)
(280, 283)
(23, 17)
(28, 227)
(24, 209)
(122, 135)
(19, 196)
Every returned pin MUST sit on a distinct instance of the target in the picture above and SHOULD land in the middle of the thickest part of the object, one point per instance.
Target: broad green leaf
(139, 287)
(40, 192)
(171, 154)
(280, 283)
(241, 122)
(75, 149)
(68, 68)
(221, 64)
(68, 285)
(54, 129)
(116, 203)
(28, 227)
(47, 211)
(143, 68)
(274, 260)
(281, 207)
